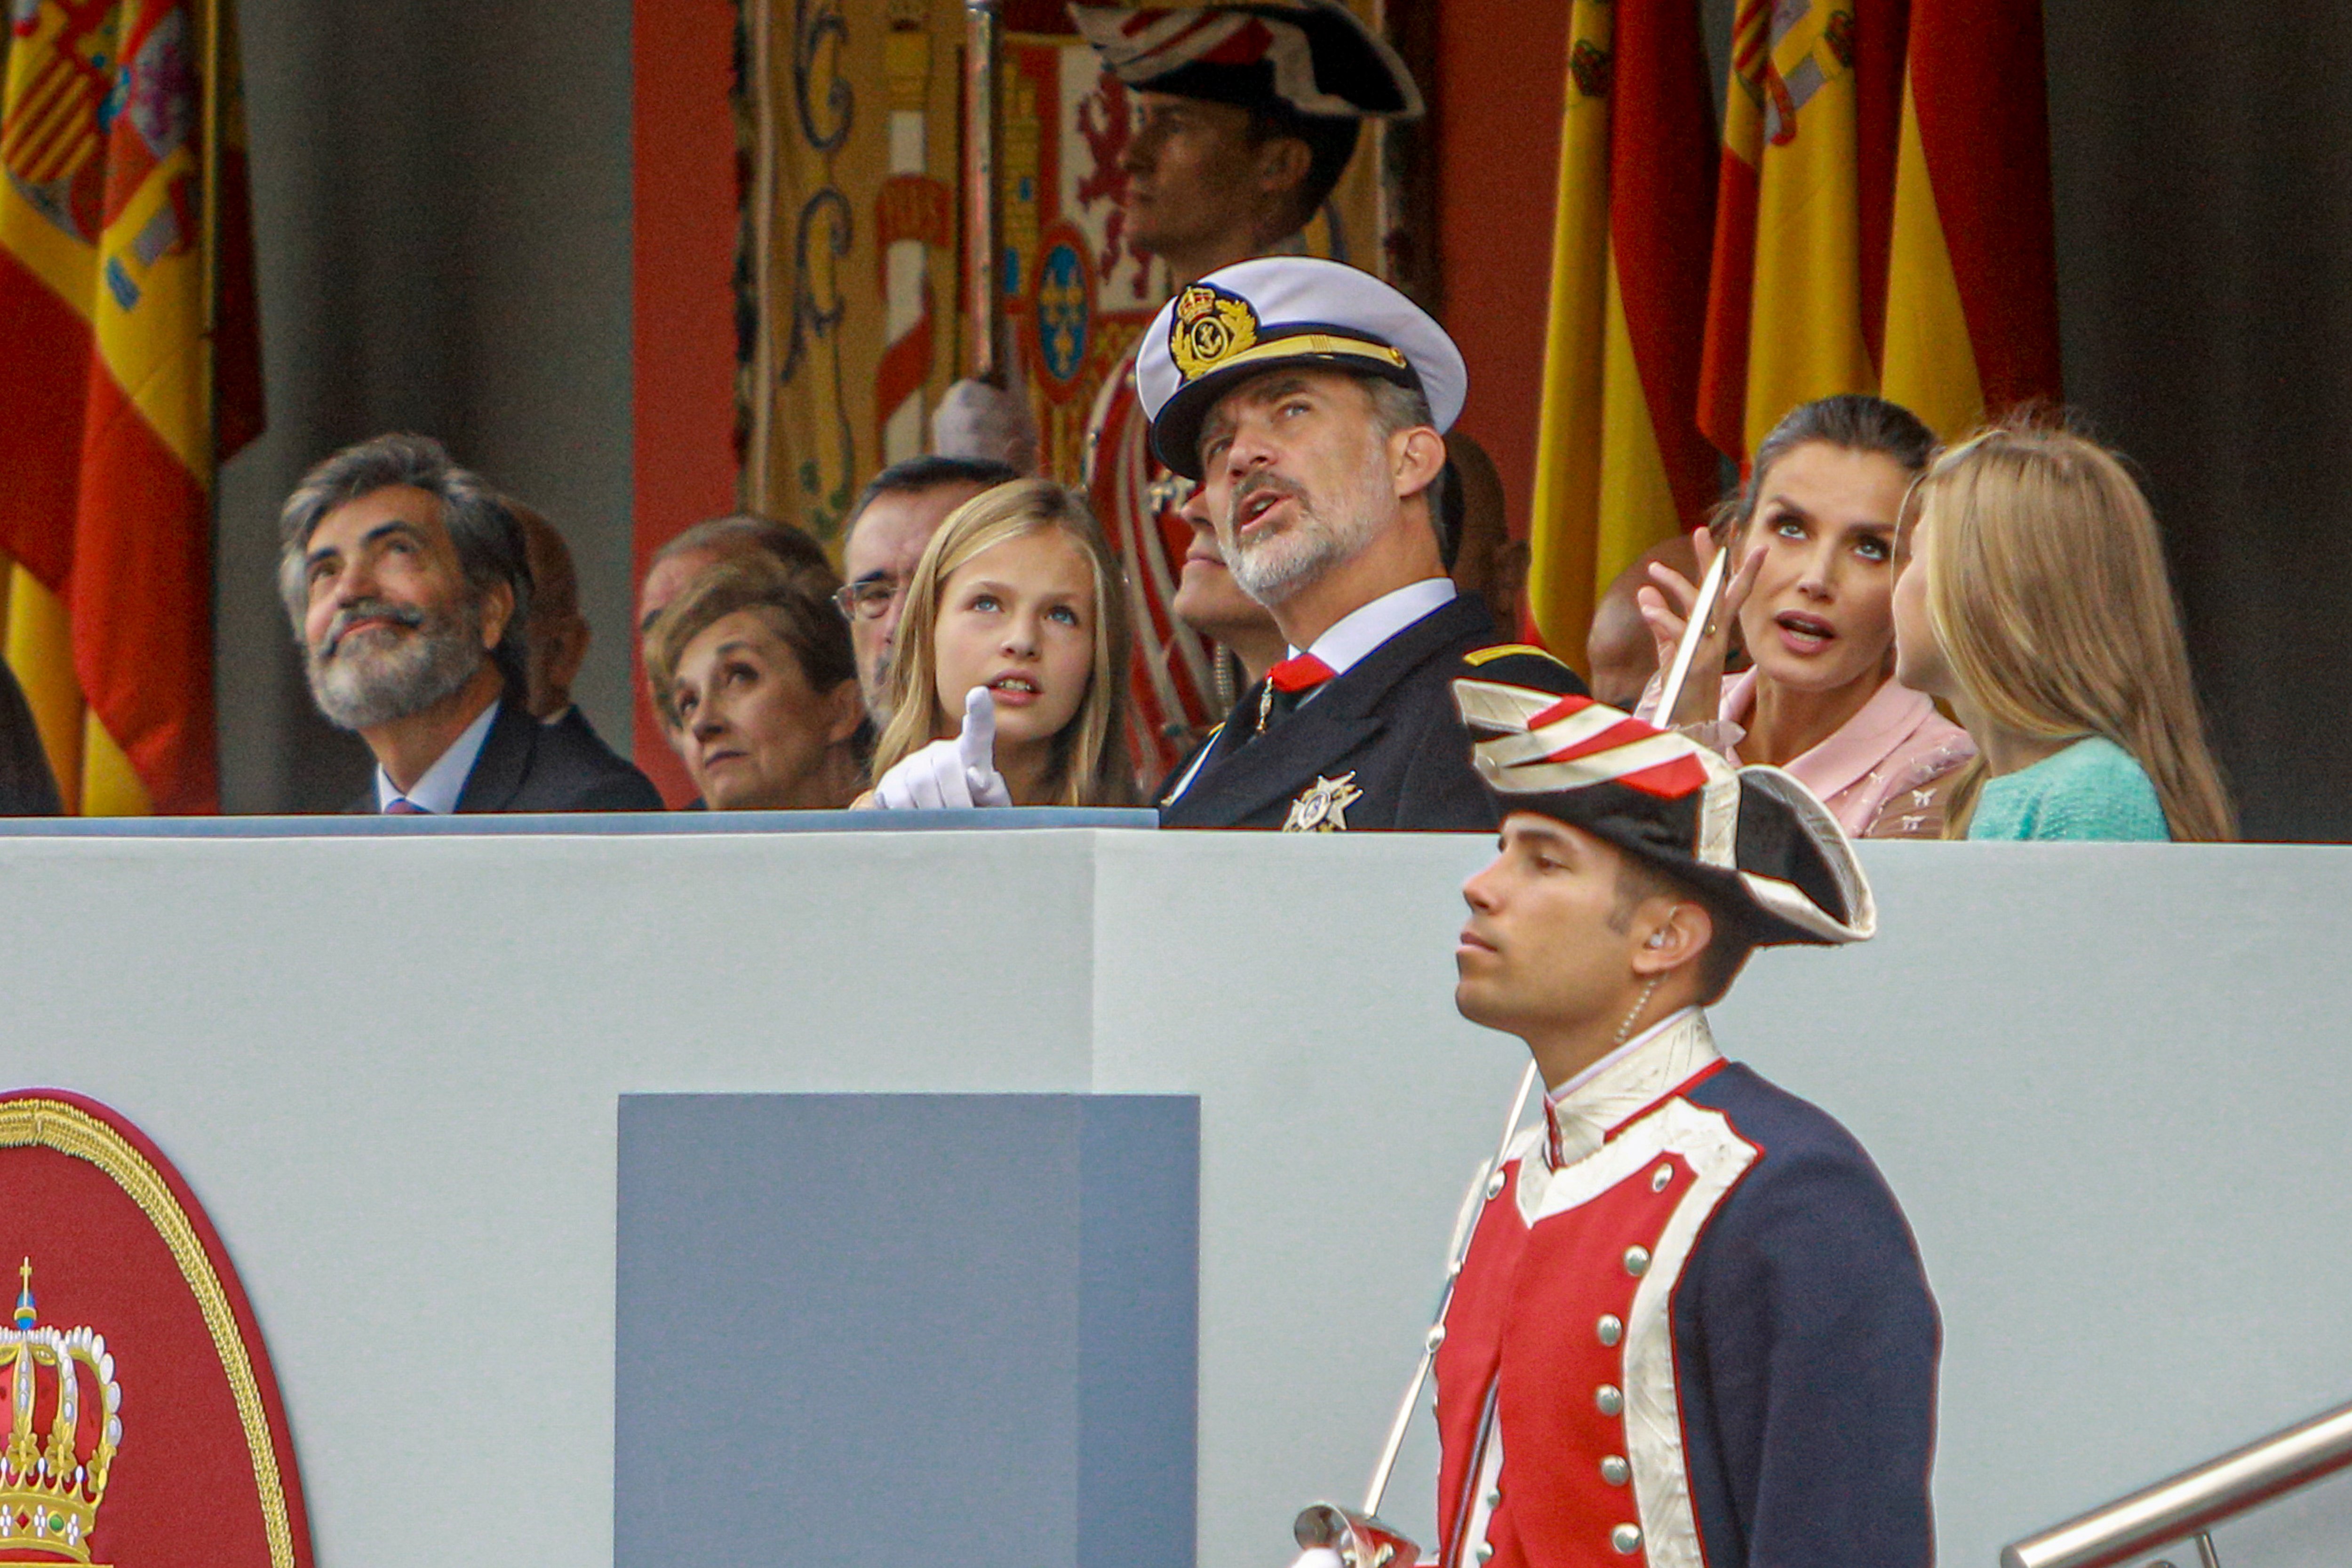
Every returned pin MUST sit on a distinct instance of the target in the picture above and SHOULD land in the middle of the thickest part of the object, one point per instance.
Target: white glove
(951, 775)
(977, 420)
(1318, 1557)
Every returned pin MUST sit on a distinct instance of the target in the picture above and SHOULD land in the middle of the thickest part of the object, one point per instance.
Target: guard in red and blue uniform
(1691, 1327)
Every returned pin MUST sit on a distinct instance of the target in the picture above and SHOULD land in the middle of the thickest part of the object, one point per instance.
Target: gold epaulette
(1505, 650)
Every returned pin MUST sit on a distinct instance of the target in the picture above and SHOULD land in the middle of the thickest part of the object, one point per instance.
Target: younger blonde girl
(1007, 682)
(2034, 599)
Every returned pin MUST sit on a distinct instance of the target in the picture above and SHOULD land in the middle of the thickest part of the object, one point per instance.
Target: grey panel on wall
(862, 1329)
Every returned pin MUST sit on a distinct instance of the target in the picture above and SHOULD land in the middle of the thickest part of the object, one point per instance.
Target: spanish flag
(1972, 289)
(1803, 209)
(109, 429)
(1619, 461)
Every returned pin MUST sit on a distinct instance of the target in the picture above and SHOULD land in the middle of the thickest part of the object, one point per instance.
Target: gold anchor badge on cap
(1322, 806)
(1210, 326)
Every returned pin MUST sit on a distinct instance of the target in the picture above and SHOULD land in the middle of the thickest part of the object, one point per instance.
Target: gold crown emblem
(1210, 327)
(49, 1492)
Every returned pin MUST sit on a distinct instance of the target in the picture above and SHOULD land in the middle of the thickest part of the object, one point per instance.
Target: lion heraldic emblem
(1210, 326)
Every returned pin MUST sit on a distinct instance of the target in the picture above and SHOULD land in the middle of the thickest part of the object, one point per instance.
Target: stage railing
(2187, 1506)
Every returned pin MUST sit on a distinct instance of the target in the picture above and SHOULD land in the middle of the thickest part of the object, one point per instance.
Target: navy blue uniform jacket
(1386, 725)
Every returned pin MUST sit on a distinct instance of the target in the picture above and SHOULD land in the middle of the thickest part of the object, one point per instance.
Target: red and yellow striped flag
(1972, 290)
(1619, 461)
(1802, 211)
(108, 434)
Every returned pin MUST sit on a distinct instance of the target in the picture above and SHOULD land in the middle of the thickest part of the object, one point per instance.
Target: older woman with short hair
(753, 667)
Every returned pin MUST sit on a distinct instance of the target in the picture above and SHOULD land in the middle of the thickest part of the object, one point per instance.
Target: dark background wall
(2203, 169)
(444, 203)
(441, 194)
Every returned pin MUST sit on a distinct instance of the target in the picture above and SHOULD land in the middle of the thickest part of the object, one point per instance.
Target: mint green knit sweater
(2092, 790)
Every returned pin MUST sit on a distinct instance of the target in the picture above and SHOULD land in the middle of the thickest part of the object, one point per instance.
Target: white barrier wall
(2108, 1084)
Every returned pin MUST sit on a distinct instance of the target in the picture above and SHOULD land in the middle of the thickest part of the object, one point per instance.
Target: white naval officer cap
(1253, 317)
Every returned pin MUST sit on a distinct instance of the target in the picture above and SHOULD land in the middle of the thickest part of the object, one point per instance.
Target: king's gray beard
(1271, 571)
(358, 687)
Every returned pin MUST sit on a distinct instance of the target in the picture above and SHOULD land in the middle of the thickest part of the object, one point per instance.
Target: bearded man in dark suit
(408, 585)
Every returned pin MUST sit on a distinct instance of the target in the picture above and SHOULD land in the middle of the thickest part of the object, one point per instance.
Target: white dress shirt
(1350, 640)
(437, 792)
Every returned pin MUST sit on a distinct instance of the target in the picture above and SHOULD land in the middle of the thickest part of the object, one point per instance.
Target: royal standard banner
(851, 225)
(109, 427)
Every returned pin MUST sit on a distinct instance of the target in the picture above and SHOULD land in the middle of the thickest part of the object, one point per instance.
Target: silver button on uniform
(1660, 1177)
(1610, 1400)
(1615, 1470)
(1494, 1183)
(1486, 1550)
(1626, 1539)
(1493, 1498)
(1612, 1328)
(1637, 1262)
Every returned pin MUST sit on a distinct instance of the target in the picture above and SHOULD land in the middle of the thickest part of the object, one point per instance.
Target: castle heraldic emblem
(142, 1425)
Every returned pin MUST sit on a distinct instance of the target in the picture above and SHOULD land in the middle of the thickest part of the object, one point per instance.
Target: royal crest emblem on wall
(143, 1425)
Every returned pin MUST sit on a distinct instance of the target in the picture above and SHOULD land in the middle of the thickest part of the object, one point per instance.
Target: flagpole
(983, 293)
(208, 243)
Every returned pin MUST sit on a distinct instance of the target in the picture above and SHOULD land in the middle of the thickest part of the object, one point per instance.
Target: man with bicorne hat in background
(1247, 117)
(1691, 1327)
(1311, 400)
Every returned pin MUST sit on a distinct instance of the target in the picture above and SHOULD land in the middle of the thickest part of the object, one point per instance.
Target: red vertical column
(1500, 67)
(682, 337)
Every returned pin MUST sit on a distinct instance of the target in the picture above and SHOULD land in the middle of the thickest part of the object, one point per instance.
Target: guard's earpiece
(1658, 938)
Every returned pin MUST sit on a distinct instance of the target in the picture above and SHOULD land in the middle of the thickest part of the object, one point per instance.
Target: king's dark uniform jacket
(1382, 744)
(526, 766)
(1695, 1333)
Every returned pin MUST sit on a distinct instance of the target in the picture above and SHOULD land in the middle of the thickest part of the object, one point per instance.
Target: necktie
(402, 806)
(1287, 684)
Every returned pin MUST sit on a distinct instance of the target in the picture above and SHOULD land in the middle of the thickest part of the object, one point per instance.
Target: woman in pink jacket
(1811, 602)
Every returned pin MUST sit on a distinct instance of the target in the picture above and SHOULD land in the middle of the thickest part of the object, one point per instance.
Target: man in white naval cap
(1311, 400)
(1691, 1327)
(1247, 116)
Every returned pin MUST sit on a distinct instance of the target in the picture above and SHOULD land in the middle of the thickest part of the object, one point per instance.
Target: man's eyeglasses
(868, 598)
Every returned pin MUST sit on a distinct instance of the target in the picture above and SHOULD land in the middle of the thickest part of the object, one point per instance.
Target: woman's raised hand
(1665, 604)
(951, 775)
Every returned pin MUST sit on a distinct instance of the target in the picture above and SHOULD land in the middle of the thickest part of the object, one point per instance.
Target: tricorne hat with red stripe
(1752, 840)
(1314, 56)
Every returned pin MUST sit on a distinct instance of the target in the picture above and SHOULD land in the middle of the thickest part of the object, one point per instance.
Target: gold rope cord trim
(70, 1130)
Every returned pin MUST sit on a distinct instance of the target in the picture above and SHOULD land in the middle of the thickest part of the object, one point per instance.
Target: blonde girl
(2034, 599)
(1007, 681)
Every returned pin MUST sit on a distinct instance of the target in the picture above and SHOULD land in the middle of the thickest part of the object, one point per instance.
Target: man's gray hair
(1398, 407)
(487, 538)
